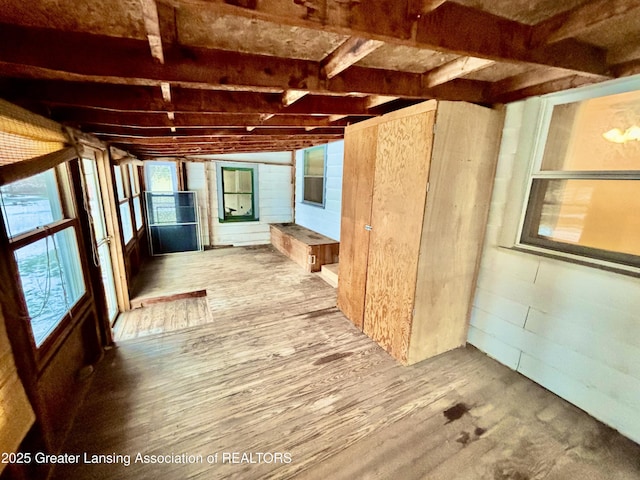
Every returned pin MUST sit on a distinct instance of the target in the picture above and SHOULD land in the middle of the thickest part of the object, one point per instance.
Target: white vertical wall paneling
(322, 220)
(274, 195)
(574, 329)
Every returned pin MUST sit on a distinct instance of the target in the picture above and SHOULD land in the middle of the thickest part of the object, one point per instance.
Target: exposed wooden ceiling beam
(101, 117)
(43, 53)
(377, 100)
(566, 83)
(152, 26)
(206, 139)
(498, 90)
(142, 98)
(450, 27)
(185, 132)
(581, 20)
(166, 92)
(457, 68)
(348, 53)
(624, 53)
(291, 96)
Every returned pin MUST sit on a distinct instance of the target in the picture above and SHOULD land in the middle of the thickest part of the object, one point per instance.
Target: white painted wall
(573, 329)
(275, 191)
(322, 220)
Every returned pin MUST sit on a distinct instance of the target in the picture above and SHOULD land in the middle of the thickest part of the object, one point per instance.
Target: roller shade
(25, 136)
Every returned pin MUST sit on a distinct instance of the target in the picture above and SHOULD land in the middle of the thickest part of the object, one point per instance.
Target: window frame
(305, 153)
(525, 240)
(69, 220)
(130, 191)
(222, 216)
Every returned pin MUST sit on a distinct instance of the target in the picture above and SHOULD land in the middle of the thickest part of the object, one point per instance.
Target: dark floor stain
(455, 412)
(463, 438)
(332, 357)
(479, 431)
(319, 313)
(507, 472)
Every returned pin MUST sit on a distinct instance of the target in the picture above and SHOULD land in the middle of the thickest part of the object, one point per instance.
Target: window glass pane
(238, 204)
(133, 179)
(314, 189)
(314, 162)
(602, 214)
(117, 174)
(127, 228)
(237, 181)
(596, 134)
(161, 176)
(30, 203)
(137, 211)
(51, 278)
(95, 203)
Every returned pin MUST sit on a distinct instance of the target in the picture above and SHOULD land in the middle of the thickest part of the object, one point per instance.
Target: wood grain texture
(462, 169)
(17, 414)
(360, 149)
(399, 192)
(295, 376)
(307, 248)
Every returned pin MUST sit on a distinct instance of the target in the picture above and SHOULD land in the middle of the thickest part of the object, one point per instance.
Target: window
(42, 233)
(314, 175)
(584, 192)
(134, 189)
(237, 199)
(123, 201)
(161, 176)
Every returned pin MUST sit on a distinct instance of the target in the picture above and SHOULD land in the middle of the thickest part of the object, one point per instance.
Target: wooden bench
(307, 248)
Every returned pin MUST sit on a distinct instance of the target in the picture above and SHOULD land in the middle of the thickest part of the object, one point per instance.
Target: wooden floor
(283, 372)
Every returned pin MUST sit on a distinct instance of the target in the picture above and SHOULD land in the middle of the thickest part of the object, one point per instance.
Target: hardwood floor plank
(278, 369)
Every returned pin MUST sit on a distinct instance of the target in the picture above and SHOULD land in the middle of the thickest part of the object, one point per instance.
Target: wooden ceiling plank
(457, 68)
(348, 53)
(450, 28)
(526, 80)
(581, 19)
(152, 26)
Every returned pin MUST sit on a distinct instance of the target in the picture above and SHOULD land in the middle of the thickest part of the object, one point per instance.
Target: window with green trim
(238, 194)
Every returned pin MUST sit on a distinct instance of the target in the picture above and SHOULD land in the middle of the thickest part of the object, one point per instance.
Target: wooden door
(360, 145)
(400, 187)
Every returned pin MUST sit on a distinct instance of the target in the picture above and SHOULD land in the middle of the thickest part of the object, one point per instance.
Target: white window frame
(545, 106)
(324, 177)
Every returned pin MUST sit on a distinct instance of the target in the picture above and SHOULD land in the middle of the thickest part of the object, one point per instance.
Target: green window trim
(239, 191)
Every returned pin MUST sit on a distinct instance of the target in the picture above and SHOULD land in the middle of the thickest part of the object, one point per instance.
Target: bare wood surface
(399, 191)
(296, 377)
(17, 412)
(307, 248)
(350, 52)
(465, 153)
(358, 171)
